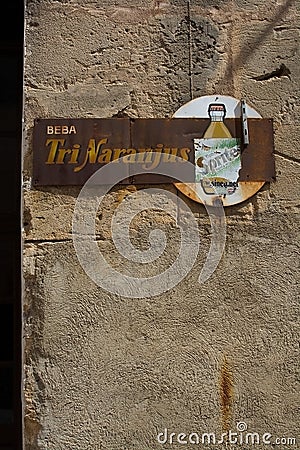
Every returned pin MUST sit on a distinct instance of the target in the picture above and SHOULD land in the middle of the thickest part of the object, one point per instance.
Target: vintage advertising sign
(210, 146)
(227, 167)
(217, 155)
(69, 151)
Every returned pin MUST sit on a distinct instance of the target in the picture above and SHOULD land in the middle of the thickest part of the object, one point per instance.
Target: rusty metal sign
(69, 151)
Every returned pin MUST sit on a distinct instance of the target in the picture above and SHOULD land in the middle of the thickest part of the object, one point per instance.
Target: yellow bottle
(217, 128)
(216, 160)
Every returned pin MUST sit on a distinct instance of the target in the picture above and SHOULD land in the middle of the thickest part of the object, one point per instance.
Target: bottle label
(217, 164)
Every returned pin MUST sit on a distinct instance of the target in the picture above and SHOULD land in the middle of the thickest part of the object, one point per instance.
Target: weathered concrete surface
(109, 372)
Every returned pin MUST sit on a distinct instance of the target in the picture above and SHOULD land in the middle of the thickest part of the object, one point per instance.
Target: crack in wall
(287, 158)
(282, 71)
(56, 241)
(46, 241)
(191, 76)
(226, 394)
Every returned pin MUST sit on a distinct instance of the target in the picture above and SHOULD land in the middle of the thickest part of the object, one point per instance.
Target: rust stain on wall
(226, 393)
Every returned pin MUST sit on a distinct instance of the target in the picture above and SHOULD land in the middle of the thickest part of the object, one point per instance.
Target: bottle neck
(217, 116)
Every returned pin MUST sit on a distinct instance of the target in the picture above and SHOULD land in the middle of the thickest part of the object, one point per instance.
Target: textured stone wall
(103, 371)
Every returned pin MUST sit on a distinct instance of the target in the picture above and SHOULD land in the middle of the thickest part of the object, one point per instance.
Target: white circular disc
(198, 108)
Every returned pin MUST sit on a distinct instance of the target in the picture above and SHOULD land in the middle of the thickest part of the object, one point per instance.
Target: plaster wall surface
(103, 371)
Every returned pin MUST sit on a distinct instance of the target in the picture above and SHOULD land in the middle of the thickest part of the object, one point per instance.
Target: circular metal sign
(217, 153)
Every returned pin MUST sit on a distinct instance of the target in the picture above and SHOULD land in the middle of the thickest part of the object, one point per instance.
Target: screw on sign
(218, 153)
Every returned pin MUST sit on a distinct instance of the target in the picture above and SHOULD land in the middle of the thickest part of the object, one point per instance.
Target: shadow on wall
(249, 47)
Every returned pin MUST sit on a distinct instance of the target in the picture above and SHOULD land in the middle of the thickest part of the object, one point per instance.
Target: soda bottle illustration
(217, 156)
(217, 127)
